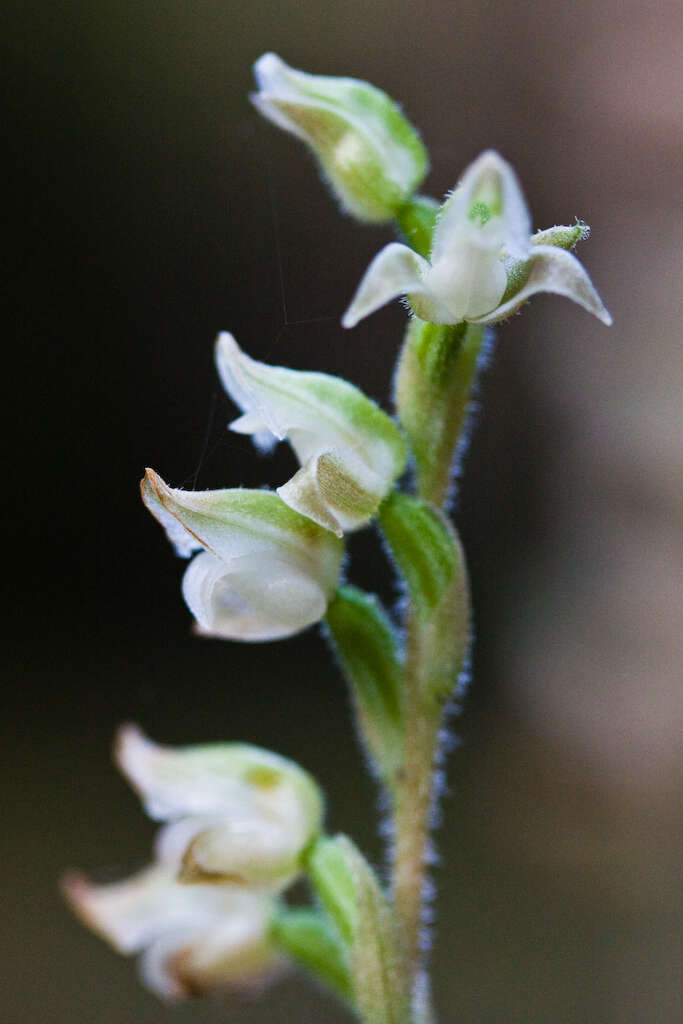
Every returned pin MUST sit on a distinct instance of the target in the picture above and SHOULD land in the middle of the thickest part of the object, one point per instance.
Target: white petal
(489, 177)
(396, 270)
(132, 913)
(240, 377)
(469, 284)
(214, 783)
(183, 781)
(250, 423)
(255, 598)
(557, 271)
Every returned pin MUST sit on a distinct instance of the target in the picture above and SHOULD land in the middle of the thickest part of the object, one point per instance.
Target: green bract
(367, 646)
(370, 154)
(350, 892)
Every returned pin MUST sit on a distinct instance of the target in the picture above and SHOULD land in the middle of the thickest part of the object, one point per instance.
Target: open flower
(239, 814)
(239, 819)
(265, 571)
(193, 938)
(350, 451)
(371, 155)
(483, 264)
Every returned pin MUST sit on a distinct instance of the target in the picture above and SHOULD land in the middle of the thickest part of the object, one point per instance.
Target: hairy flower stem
(434, 383)
(413, 801)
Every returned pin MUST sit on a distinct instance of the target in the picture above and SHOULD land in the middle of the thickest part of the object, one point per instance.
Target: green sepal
(416, 220)
(349, 890)
(562, 236)
(367, 646)
(307, 936)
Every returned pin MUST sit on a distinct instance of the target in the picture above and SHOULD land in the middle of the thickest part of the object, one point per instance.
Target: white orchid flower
(483, 264)
(371, 155)
(265, 572)
(350, 451)
(239, 819)
(192, 938)
(238, 814)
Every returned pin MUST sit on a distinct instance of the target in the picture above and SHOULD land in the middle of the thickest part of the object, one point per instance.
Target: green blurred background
(148, 198)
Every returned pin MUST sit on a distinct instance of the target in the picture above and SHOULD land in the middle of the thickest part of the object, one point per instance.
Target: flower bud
(350, 451)
(237, 814)
(484, 262)
(370, 154)
(266, 572)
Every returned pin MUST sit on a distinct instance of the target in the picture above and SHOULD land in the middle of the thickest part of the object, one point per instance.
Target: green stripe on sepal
(366, 643)
(352, 895)
(309, 938)
(423, 547)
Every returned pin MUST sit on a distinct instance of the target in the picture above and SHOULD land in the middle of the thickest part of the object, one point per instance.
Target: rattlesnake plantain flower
(483, 263)
(239, 819)
(350, 451)
(265, 571)
(371, 155)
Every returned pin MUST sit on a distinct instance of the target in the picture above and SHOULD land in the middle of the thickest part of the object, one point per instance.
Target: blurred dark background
(147, 198)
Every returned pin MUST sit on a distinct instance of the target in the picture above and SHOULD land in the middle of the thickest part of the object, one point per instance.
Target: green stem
(434, 383)
(413, 800)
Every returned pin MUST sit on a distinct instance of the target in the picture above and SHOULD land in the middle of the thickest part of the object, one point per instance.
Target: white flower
(483, 264)
(372, 157)
(193, 938)
(239, 820)
(350, 451)
(266, 572)
(239, 814)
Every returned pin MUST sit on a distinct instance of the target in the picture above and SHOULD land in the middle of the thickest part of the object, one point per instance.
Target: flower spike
(266, 572)
(350, 451)
(483, 264)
